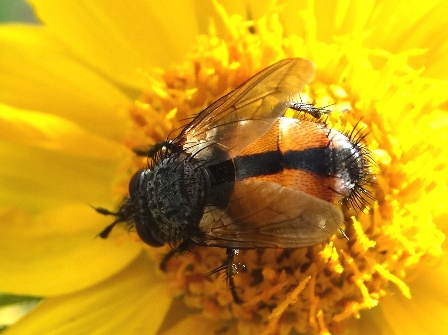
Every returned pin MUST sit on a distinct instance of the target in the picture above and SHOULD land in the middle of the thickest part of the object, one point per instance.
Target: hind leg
(231, 269)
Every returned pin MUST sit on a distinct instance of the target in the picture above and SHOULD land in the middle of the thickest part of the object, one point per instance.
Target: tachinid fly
(243, 176)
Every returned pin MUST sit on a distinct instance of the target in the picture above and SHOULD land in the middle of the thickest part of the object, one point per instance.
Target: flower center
(313, 288)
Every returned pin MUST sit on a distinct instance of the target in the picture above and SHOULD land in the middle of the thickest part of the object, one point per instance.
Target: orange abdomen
(298, 154)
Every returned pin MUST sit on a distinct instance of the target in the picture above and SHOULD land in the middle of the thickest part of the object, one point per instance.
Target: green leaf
(9, 299)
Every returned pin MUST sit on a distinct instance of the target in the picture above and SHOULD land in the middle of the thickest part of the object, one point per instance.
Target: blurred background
(16, 11)
(13, 307)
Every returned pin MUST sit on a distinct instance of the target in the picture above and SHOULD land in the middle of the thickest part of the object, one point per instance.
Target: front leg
(184, 246)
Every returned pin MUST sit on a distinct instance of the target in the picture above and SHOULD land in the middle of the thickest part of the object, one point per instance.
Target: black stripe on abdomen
(319, 161)
(261, 164)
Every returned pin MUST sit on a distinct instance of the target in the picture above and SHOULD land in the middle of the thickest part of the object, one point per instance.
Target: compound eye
(134, 184)
(147, 235)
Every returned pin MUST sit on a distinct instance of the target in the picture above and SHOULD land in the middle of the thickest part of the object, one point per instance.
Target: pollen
(313, 289)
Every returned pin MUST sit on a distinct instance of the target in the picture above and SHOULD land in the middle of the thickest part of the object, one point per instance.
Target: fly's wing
(237, 119)
(266, 215)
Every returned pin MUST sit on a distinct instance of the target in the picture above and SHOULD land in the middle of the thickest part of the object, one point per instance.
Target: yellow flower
(78, 93)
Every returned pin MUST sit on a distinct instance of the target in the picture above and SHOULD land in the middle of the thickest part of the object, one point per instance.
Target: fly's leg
(184, 246)
(153, 149)
(231, 271)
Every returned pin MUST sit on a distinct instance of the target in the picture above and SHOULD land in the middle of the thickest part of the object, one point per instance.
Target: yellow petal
(57, 252)
(121, 39)
(416, 24)
(426, 312)
(371, 322)
(131, 302)
(37, 179)
(410, 27)
(249, 9)
(322, 20)
(37, 73)
(435, 64)
(51, 132)
(430, 17)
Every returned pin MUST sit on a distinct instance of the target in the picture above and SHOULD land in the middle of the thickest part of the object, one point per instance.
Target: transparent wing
(243, 115)
(266, 215)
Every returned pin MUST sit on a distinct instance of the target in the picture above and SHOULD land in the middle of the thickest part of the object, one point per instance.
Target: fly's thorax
(169, 198)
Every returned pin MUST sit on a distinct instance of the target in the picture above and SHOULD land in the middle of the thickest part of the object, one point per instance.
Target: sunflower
(98, 79)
